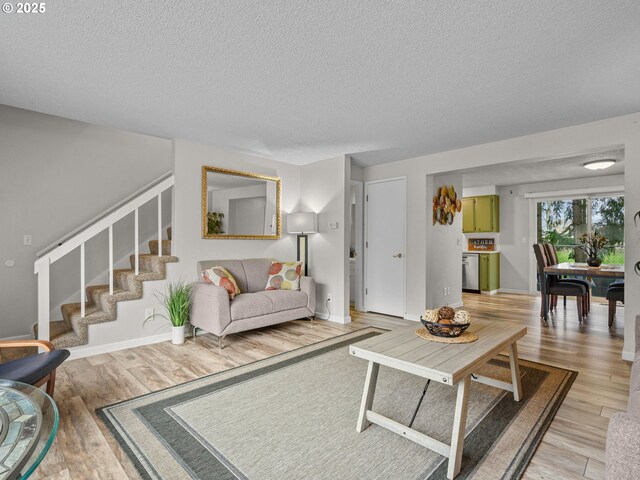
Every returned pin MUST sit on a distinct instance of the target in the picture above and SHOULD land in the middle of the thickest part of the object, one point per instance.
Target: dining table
(614, 272)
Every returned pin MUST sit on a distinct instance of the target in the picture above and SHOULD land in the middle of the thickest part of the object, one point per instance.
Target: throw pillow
(220, 276)
(284, 276)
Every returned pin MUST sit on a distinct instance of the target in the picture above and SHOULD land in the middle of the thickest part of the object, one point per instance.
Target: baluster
(82, 284)
(43, 300)
(137, 253)
(110, 259)
(160, 224)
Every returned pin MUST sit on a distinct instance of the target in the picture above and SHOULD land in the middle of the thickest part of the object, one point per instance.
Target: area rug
(293, 416)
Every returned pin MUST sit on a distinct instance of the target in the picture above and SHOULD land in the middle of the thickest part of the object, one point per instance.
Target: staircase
(72, 330)
(99, 303)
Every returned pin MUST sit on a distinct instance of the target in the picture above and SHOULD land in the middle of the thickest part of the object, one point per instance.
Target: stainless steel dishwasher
(470, 272)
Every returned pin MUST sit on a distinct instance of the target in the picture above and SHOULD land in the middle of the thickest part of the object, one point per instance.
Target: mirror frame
(225, 171)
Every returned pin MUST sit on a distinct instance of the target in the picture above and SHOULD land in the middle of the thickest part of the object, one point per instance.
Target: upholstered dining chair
(615, 294)
(552, 257)
(36, 369)
(555, 286)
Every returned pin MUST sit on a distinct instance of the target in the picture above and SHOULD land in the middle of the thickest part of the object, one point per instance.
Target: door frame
(366, 240)
(359, 244)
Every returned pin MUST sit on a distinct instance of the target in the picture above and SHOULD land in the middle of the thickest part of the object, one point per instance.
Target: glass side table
(28, 425)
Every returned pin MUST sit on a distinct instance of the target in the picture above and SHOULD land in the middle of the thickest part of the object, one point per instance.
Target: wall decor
(482, 244)
(445, 205)
(240, 205)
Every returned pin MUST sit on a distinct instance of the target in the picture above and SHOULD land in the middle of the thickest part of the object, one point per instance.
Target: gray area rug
(294, 415)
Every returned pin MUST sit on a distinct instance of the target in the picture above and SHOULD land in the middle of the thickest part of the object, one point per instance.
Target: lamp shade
(303, 222)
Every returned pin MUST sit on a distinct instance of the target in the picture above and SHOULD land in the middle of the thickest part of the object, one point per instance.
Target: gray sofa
(255, 307)
(623, 438)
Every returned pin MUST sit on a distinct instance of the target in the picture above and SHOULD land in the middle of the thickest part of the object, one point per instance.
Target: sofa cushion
(221, 277)
(284, 276)
(234, 267)
(286, 299)
(257, 273)
(247, 305)
(634, 404)
(634, 381)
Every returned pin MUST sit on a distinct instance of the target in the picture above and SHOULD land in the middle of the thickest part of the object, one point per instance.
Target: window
(563, 221)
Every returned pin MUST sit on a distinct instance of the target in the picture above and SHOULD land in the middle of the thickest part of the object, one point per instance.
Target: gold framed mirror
(240, 205)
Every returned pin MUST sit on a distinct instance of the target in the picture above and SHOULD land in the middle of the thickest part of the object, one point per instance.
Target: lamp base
(303, 251)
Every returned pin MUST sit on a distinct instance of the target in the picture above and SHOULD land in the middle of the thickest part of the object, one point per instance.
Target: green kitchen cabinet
(489, 272)
(481, 214)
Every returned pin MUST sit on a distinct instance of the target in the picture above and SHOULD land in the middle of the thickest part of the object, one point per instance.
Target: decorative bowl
(450, 328)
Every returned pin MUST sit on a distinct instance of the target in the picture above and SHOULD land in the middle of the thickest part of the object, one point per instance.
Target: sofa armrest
(622, 459)
(308, 286)
(210, 308)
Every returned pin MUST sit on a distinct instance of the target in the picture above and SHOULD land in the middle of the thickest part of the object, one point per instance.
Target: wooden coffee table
(450, 364)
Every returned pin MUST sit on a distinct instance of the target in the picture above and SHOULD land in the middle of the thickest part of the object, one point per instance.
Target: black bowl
(447, 330)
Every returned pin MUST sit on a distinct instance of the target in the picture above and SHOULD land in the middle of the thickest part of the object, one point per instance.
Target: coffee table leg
(367, 395)
(459, 425)
(515, 372)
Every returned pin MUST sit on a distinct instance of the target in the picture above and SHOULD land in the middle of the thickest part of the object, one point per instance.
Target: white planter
(177, 335)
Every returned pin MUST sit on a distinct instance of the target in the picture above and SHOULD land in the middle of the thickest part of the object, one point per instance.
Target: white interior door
(385, 247)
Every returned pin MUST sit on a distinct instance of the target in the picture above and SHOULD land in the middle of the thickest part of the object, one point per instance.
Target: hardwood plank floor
(573, 447)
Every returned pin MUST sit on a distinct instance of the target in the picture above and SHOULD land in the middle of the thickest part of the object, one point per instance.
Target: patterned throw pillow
(284, 276)
(220, 276)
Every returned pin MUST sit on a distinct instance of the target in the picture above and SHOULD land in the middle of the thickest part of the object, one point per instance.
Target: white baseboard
(19, 337)
(629, 356)
(338, 319)
(410, 316)
(489, 292)
(81, 352)
(514, 291)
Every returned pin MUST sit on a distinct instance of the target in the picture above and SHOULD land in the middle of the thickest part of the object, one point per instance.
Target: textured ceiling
(300, 81)
(518, 173)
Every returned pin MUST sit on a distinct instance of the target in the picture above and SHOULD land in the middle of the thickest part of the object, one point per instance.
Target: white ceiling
(519, 173)
(300, 81)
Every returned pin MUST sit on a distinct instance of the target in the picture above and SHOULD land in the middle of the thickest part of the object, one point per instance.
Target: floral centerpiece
(593, 244)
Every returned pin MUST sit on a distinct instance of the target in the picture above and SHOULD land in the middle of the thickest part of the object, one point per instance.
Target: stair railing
(86, 232)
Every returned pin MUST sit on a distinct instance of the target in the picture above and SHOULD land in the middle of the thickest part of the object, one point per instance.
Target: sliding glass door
(563, 221)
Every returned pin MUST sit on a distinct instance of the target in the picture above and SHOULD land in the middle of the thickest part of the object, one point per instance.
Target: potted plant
(592, 244)
(177, 301)
(214, 222)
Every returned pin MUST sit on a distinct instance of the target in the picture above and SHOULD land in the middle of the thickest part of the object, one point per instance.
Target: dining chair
(552, 257)
(554, 286)
(615, 294)
(35, 369)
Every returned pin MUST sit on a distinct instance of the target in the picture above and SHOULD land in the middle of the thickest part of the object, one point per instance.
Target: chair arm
(210, 308)
(622, 460)
(308, 286)
(47, 346)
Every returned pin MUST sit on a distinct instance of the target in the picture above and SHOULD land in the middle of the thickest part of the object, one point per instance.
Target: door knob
(399, 255)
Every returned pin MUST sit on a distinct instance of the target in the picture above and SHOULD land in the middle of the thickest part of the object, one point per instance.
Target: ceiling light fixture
(599, 164)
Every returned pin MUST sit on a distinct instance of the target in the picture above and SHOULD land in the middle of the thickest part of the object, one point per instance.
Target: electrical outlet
(444, 291)
(148, 313)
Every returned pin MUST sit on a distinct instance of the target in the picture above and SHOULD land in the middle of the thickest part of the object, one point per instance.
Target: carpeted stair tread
(166, 247)
(73, 331)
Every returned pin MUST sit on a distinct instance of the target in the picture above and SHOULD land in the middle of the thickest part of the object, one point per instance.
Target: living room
(297, 95)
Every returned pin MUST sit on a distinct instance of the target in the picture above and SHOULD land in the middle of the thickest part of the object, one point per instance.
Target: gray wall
(55, 174)
(446, 243)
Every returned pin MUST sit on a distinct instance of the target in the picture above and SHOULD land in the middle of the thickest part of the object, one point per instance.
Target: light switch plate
(27, 240)
(333, 224)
